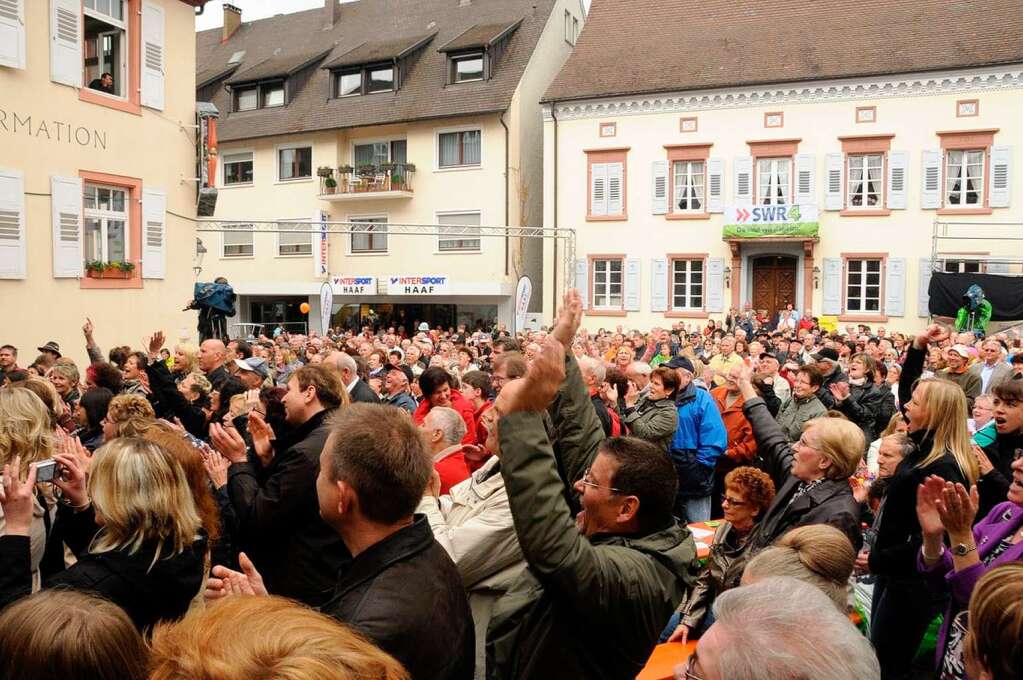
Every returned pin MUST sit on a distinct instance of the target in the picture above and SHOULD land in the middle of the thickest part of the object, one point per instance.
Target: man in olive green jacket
(599, 589)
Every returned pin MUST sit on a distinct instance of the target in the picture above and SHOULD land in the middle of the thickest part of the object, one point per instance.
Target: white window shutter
(66, 42)
(805, 179)
(1001, 176)
(12, 33)
(598, 189)
(716, 185)
(154, 234)
(659, 187)
(633, 269)
(743, 174)
(831, 303)
(658, 285)
(923, 283)
(716, 284)
(615, 188)
(66, 198)
(930, 190)
(12, 224)
(582, 281)
(895, 286)
(834, 194)
(153, 56)
(898, 164)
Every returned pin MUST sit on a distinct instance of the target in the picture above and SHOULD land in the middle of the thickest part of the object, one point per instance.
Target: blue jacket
(700, 427)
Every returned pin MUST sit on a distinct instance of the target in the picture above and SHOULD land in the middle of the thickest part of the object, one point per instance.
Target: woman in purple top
(942, 508)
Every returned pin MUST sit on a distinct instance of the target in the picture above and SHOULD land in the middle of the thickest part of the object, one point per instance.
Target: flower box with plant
(324, 171)
(96, 269)
(329, 185)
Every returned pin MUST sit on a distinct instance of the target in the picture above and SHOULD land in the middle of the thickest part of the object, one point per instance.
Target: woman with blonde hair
(47, 393)
(935, 410)
(134, 528)
(70, 635)
(122, 408)
(811, 475)
(994, 643)
(818, 554)
(26, 435)
(186, 360)
(65, 378)
(282, 639)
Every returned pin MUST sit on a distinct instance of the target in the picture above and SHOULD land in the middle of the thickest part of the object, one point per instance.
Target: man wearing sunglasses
(600, 587)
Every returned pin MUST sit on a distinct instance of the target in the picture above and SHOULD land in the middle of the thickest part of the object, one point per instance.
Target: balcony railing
(387, 180)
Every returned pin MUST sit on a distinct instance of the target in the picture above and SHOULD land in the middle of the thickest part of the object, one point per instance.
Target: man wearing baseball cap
(957, 359)
(252, 372)
(827, 364)
(699, 441)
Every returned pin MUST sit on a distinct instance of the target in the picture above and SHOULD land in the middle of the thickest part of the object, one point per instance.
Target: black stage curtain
(1005, 293)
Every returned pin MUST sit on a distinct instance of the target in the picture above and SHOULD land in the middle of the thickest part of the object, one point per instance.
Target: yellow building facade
(97, 173)
(822, 193)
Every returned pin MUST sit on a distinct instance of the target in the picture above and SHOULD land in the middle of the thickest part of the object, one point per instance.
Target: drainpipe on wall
(506, 191)
(554, 276)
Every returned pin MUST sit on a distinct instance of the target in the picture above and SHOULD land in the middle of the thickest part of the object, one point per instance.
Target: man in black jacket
(827, 364)
(357, 388)
(401, 589)
(272, 490)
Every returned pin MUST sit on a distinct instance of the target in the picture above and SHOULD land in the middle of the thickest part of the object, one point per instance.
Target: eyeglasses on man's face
(587, 480)
(689, 671)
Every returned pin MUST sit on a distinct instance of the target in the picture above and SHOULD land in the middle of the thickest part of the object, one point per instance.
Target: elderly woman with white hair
(811, 475)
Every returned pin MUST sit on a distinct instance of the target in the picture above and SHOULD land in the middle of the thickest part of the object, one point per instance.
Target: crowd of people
(468, 504)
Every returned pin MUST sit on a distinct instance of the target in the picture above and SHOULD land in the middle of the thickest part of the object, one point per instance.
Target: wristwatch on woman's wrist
(963, 549)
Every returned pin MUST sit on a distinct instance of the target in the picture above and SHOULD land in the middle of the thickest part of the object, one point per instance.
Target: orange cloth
(742, 446)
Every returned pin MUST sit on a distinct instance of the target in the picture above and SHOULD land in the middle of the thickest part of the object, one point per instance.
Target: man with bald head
(212, 355)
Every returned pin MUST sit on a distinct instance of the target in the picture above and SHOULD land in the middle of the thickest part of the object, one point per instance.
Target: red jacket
(460, 404)
(742, 446)
(452, 470)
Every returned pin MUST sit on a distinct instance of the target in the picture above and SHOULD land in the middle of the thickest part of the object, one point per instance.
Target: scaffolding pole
(317, 227)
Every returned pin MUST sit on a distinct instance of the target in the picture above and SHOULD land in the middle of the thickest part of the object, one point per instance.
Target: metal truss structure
(316, 227)
(963, 240)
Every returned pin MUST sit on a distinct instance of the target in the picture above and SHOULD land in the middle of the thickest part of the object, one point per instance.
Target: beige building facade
(97, 189)
(406, 145)
(822, 193)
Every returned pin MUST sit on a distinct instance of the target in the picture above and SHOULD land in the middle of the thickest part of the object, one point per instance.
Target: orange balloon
(304, 307)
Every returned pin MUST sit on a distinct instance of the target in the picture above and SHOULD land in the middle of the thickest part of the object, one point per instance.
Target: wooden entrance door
(774, 283)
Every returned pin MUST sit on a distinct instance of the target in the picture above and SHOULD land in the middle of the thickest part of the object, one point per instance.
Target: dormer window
(269, 83)
(466, 67)
(273, 94)
(259, 96)
(366, 80)
(246, 99)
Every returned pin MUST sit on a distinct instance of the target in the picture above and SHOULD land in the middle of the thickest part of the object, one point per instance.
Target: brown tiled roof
(279, 66)
(423, 94)
(211, 75)
(385, 50)
(643, 46)
(479, 36)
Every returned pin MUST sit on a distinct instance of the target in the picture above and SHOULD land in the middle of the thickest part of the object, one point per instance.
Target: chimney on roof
(232, 21)
(331, 13)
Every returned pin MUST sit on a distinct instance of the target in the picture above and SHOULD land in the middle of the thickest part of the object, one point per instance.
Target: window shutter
(834, 196)
(153, 58)
(12, 224)
(66, 197)
(930, 191)
(805, 166)
(923, 283)
(658, 285)
(743, 173)
(598, 189)
(716, 284)
(12, 33)
(154, 234)
(898, 162)
(582, 281)
(831, 304)
(630, 299)
(615, 186)
(1001, 176)
(895, 286)
(659, 184)
(66, 42)
(716, 185)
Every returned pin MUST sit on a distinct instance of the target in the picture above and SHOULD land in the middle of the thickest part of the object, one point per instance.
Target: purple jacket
(1003, 520)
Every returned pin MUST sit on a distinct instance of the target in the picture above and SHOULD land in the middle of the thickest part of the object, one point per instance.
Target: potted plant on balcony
(345, 172)
(329, 185)
(324, 171)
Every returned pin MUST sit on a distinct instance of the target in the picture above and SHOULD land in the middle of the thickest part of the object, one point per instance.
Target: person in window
(105, 83)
